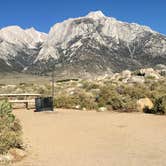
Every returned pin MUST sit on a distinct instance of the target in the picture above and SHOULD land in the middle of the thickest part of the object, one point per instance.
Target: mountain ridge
(91, 44)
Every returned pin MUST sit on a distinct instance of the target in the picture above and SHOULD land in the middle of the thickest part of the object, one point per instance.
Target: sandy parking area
(70, 138)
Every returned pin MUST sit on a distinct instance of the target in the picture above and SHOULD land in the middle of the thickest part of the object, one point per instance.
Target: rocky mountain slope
(18, 47)
(93, 44)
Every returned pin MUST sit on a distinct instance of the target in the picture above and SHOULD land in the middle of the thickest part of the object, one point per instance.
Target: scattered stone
(71, 93)
(102, 109)
(84, 109)
(80, 85)
(77, 107)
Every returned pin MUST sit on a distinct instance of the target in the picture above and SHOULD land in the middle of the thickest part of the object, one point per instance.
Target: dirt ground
(77, 138)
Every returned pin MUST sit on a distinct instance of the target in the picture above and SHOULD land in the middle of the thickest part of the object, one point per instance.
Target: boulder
(136, 79)
(126, 74)
(17, 154)
(163, 72)
(146, 71)
(84, 109)
(144, 102)
(150, 73)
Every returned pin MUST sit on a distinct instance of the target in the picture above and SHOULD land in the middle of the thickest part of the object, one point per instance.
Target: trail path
(70, 138)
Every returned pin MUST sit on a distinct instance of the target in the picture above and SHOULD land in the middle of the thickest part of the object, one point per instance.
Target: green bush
(90, 85)
(10, 129)
(160, 105)
(136, 91)
(81, 99)
(110, 97)
(123, 97)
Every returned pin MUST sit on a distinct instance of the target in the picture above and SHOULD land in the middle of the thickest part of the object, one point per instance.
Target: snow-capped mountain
(97, 43)
(18, 47)
(94, 43)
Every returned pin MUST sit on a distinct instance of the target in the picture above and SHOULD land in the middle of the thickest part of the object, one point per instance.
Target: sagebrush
(10, 129)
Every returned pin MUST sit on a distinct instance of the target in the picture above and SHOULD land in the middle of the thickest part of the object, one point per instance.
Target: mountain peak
(96, 15)
(12, 28)
(31, 29)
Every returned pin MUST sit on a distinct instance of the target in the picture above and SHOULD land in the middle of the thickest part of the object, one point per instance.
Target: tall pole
(53, 90)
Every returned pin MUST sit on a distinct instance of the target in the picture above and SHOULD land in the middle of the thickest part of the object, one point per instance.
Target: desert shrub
(110, 97)
(63, 101)
(123, 104)
(90, 85)
(135, 91)
(159, 106)
(81, 99)
(10, 129)
(105, 93)
(156, 90)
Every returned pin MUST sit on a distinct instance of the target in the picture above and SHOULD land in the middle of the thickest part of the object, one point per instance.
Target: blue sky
(42, 14)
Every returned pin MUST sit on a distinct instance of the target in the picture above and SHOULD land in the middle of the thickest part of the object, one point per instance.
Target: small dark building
(44, 104)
